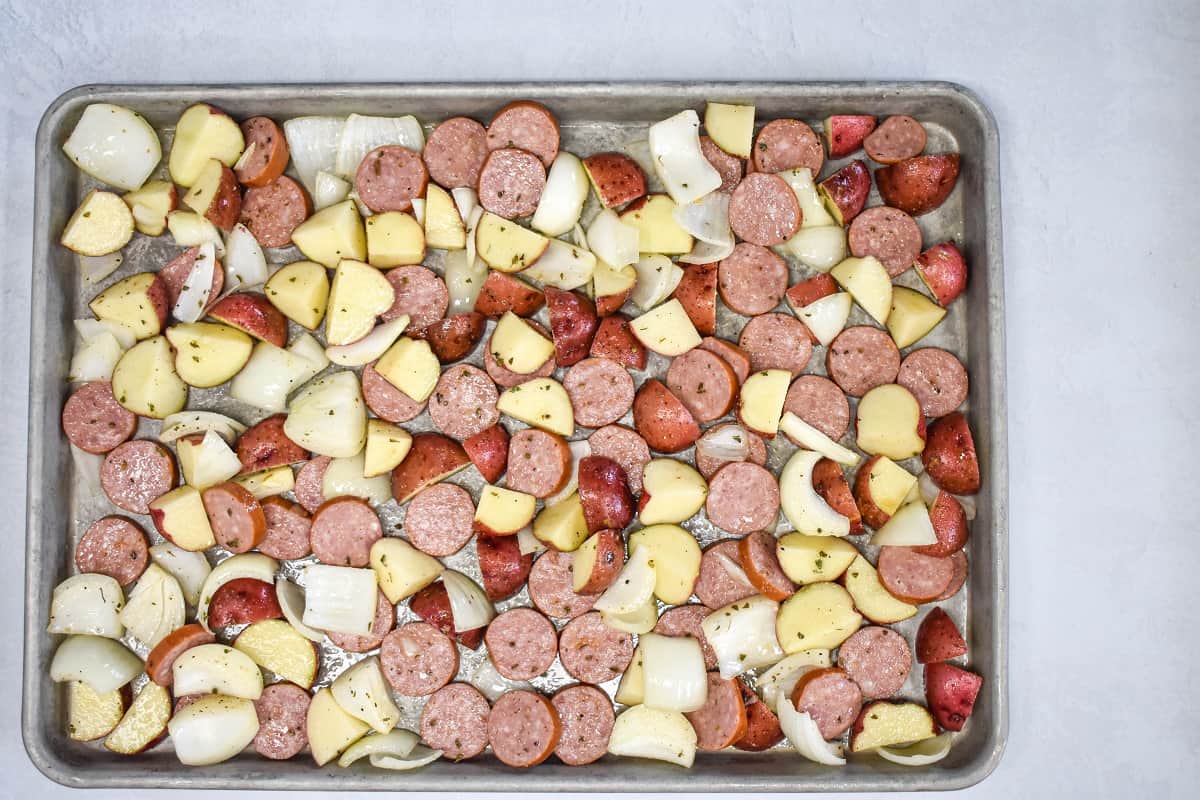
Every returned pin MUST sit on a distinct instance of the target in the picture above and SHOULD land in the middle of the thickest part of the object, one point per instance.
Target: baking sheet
(594, 117)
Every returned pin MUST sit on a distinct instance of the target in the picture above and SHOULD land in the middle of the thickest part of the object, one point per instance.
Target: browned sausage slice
(511, 183)
(527, 125)
(787, 144)
(591, 651)
(343, 530)
(877, 659)
(162, 657)
(831, 697)
(716, 586)
(310, 484)
(385, 400)
(503, 568)
(625, 447)
(418, 659)
(523, 728)
(270, 156)
(601, 391)
(735, 356)
(764, 210)
(454, 721)
(522, 643)
(282, 716)
(776, 341)
(722, 719)
(136, 473)
(762, 726)
(757, 551)
(889, 235)
(385, 620)
(420, 293)
(539, 462)
(274, 210)
(704, 382)
(551, 587)
(390, 178)
(861, 358)
(94, 421)
(288, 525)
(958, 577)
(936, 378)
(831, 484)
(913, 577)
(752, 279)
(235, 515)
(464, 402)
(440, 519)
(455, 152)
(729, 167)
(587, 722)
(686, 621)
(113, 546)
(819, 402)
(896, 139)
(743, 498)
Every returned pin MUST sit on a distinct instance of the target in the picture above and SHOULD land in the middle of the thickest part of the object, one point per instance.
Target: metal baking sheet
(595, 116)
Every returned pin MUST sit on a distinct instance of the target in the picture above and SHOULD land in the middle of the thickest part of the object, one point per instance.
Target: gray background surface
(1094, 106)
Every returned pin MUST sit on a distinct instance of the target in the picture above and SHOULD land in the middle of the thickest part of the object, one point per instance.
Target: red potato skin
(502, 567)
(831, 484)
(610, 557)
(845, 191)
(938, 638)
(614, 340)
(431, 458)
(811, 290)
(160, 660)
(662, 420)
(502, 292)
(949, 455)
(867, 710)
(950, 692)
(944, 270)
(159, 299)
(918, 185)
(226, 204)
(950, 524)
(697, 293)
(573, 323)
(243, 601)
(253, 313)
(453, 338)
(872, 514)
(844, 133)
(265, 445)
(432, 604)
(616, 177)
(488, 451)
(604, 494)
(610, 304)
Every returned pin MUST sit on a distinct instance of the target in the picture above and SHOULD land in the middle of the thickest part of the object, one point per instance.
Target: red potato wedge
(616, 177)
(160, 660)
(243, 601)
(140, 302)
(809, 291)
(951, 692)
(662, 419)
(488, 451)
(604, 494)
(833, 487)
(611, 303)
(265, 445)
(453, 338)
(432, 604)
(503, 569)
(938, 638)
(253, 313)
(844, 133)
(944, 270)
(697, 293)
(918, 185)
(845, 191)
(602, 555)
(431, 458)
(502, 292)
(216, 195)
(270, 156)
(175, 275)
(949, 455)
(573, 323)
(949, 523)
(614, 340)
(870, 513)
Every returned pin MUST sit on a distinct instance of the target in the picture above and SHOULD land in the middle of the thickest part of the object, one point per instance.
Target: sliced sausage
(743, 498)
(697, 293)
(274, 210)
(136, 473)
(573, 323)
(819, 402)
(704, 382)
(385, 620)
(488, 451)
(831, 484)
(721, 721)
(502, 292)
(175, 276)
(418, 659)
(764, 210)
(878, 660)
(831, 697)
(708, 463)
(455, 151)
(94, 421)
(625, 447)
(419, 292)
(343, 530)
(551, 587)
(729, 167)
(282, 710)
(913, 577)
(686, 621)
(511, 183)
(243, 601)
(601, 391)
(523, 728)
(752, 279)
(610, 558)
(432, 604)
(113, 546)
(949, 525)
(527, 125)
(662, 418)
(591, 651)
(270, 156)
(235, 516)
(761, 564)
(503, 568)
(390, 178)
(440, 519)
(162, 657)
(776, 341)
(614, 340)
(958, 561)
(936, 378)
(896, 139)
(454, 721)
(310, 483)
(522, 643)
(453, 338)
(717, 584)
(539, 462)
(889, 235)
(504, 376)
(861, 358)
(604, 494)
(265, 445)
(762, 726)
(787, 144)
(385, 400)
(464, 402)
(735, 356)
(288, 527)
(587, 720)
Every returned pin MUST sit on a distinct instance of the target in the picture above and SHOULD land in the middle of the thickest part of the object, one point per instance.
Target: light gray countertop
(1094, 107)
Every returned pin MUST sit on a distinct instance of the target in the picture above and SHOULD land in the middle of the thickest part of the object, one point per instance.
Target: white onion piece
(491, 683)
(706, 253)
(563, 197)
(313, 146)
(88, 466)
(268, 482)
(245, 263)
(812, 210)
(579, 451)
(466, 200)
(579, 237)
(329, 189)
(562, 265)
(821, 248)
(212, 462)
(189, 229)
(468, 603)
(185, 423)
(464, 279)
(245, 157)
(89, 328)
(613, 241)
(733, 570)
(95, 359)
(114, 144)
(155, 606)
(197, 288)
(826, 316)
(420, 756)
(778, 681)
(674, 678)
(370, 347)
(919, 754)
(363, 693)
(742, 635)
(307, 347)
(362, 134)
(527, 542)
(633, 586)
(910, 526)
(291, 602)
(94, 269)
(103, 664)
(344, 478)
(707, 220)
(645, 732)
(641, 620)
(418, 210)
(340, 599)
(802, 731)
(471, 251)
(809, 437)
(190, 569)
(727, 443)
(657, 277)
(329, 416)
(89, 603)
(216, 669)
(212, 729)
(397, 743)
(803, 507)
(678, 160)
(246, 565)
(968, 505)
(928, 489)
